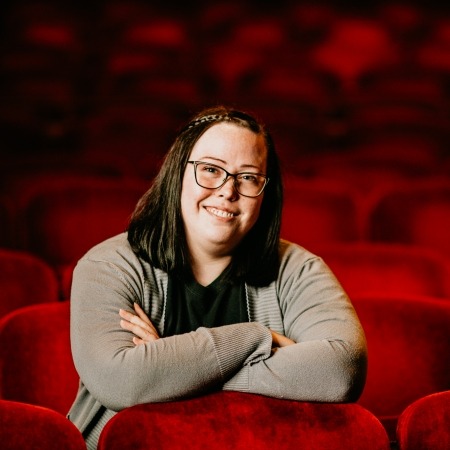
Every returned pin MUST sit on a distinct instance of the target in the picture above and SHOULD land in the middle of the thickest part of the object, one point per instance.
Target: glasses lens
(250, 184)
(211, 176)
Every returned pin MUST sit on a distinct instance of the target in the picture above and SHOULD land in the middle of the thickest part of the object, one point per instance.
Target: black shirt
(191, 305)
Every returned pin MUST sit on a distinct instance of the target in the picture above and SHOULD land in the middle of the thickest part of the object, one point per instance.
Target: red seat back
(240, 421)
(408, 343)
(6, 221)
(416, 214)
(388, 268)
(425, 423)
(314, 213)
(25, 280)
(35, 357)
(31, 427)
(64, 221)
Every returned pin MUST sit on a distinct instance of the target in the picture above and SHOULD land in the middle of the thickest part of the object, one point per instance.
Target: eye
(249, 178)
(212, 170)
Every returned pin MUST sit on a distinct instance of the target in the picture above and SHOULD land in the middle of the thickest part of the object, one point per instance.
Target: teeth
(218, 212)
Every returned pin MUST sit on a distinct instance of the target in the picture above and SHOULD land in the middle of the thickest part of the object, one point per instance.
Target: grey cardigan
(306, 303)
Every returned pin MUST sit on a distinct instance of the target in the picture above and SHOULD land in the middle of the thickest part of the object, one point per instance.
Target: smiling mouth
(220, 213)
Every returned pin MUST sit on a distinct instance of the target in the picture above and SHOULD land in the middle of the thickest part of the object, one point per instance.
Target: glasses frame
(232, 175)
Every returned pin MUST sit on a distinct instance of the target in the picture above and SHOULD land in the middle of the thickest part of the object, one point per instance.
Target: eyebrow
(244, 166)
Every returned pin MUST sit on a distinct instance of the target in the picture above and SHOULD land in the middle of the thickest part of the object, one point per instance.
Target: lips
(221, 213)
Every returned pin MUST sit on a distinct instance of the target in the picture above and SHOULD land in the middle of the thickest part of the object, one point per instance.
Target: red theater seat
(66, 274)
(406, 83)
(6, 221)
(353, 47)
(415, 214)
(150, 44)
(375, 114)
(408, 344)
(317, 212)
(36, 364)
(25, 280)
(64, 220)
(142, 128)
(433, 52)
(424, 425)
(388, 268)
(31, 427)
(23, 177)
(369, 168)
(234, 420)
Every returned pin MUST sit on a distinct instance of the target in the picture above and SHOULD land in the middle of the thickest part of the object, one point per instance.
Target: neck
(206, 271)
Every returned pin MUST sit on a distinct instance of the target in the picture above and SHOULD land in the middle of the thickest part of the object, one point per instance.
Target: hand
(139, 324)
(278, 340)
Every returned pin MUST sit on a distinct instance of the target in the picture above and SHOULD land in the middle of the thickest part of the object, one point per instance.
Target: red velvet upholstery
(25, 280)
(384, 161)
(408, 345)
(63, 221)
(35, 358)
(66, 273)
(425, 424)
(31, 427)
(395, 115)
(353, 47)
(388, 268)
(316, 212)
(6, 238)
(418, 214)
(145, 130)
(234, 420)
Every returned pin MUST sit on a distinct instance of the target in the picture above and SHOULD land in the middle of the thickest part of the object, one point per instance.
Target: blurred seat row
(59, 218)
(361, 267)
(124, 74)
(134, 35)
(407, 339)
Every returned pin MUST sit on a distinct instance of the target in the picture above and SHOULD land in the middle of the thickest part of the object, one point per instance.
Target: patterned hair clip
(209, 118)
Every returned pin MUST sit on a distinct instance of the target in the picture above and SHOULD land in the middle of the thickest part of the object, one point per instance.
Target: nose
(228, 189)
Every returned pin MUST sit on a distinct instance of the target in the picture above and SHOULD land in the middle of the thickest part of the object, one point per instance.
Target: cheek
(191, 196)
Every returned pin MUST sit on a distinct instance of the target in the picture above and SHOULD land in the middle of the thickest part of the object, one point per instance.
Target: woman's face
(216, 220)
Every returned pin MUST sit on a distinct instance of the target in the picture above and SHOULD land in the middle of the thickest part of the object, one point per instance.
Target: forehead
(231, 143)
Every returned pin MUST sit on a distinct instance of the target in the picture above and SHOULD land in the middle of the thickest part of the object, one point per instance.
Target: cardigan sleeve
(119, 374)
(328, 361)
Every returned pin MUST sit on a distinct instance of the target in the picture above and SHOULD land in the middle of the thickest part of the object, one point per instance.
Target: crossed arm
(144, 331)
(123, 361)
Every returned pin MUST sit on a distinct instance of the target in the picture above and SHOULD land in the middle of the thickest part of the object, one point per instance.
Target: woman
(200, 294)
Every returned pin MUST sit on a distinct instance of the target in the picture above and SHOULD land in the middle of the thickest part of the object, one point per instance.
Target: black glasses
(210, 176)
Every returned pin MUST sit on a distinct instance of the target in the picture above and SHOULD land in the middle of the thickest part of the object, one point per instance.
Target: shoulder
(300, 263)
(112, 249)
(291, 253)
(117, 254)
(114, 254)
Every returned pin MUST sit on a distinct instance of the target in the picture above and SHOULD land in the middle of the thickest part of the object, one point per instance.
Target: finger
(285, 341)
(138, 331)
(130, 317)
(141, 313)
(146, 319)
(137, 341)
(279, 340)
